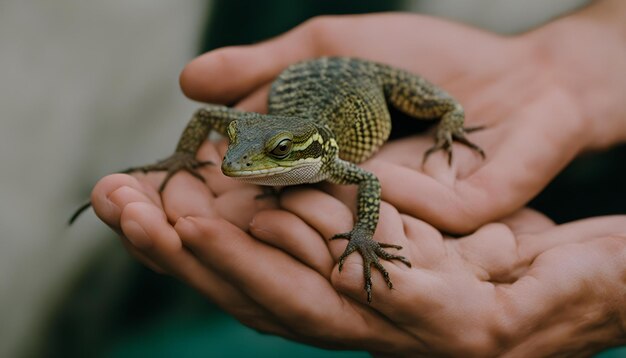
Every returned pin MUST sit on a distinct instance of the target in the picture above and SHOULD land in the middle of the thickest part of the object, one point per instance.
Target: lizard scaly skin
(325, 116)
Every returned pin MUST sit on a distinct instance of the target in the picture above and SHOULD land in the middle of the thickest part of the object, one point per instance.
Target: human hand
(518, 287)
(535, 123)
(126, 203)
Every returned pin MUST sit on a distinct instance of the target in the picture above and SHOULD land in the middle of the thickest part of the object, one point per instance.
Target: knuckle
(319, 24)
(321, 30)
(190, 77)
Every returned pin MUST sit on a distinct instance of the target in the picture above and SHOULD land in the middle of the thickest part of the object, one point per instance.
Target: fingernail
(137, 235)
(260, 231)
(188, 229)
(113, 208)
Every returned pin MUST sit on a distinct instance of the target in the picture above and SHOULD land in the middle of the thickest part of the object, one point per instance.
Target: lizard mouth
(255, 173)
(309, 172)
(279, 176)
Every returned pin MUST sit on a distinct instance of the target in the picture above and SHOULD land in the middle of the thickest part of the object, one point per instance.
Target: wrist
(585, 53)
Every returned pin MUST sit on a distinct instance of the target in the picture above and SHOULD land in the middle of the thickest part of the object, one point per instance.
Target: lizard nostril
(248, 164)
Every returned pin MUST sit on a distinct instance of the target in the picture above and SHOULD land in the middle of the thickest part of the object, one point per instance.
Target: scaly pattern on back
(350, 96)
(343, 94)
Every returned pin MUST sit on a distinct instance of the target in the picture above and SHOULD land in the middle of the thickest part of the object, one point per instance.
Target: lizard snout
(232, 166)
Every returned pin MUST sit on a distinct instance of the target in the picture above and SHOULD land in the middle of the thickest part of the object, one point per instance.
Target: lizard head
(274, 150)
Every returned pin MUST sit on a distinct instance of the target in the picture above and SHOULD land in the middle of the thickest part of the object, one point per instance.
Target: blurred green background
(111, 306)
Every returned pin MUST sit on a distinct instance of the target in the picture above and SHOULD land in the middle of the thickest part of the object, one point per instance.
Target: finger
(490, 254)
(110, 196)
(329, 217)
(251, 264)
(530, 246)
(500, 255)
(186, 195)
(428, 246)
(289, 233)
(309, 305)
(115, 191)
(256, 101)
(228, 74)
(422, 196)
(527, 221)
(569, 283)
(335, 213)
(494, 249)
(168, 253)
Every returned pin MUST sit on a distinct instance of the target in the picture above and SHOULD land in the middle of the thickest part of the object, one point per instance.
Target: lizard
(325, 116)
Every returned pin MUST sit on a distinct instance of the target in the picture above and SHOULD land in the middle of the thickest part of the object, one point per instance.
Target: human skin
(518, 285)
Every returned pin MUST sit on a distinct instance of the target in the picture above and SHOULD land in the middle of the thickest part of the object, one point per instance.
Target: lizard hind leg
(451, 129)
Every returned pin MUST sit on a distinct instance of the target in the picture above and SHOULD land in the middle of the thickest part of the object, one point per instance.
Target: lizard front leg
(361, 236)
(204, 120)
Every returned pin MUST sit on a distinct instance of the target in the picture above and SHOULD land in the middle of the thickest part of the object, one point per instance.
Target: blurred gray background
(86, 88)
(89, 87)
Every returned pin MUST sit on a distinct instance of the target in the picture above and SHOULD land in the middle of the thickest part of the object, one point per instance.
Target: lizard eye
(283, 148)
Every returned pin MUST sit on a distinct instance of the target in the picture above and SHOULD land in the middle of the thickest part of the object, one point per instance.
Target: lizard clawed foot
(173, 164)
(445, 138)
(361, 240)
(176, 162)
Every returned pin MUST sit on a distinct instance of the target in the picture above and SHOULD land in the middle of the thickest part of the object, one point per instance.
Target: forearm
(585, 52)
